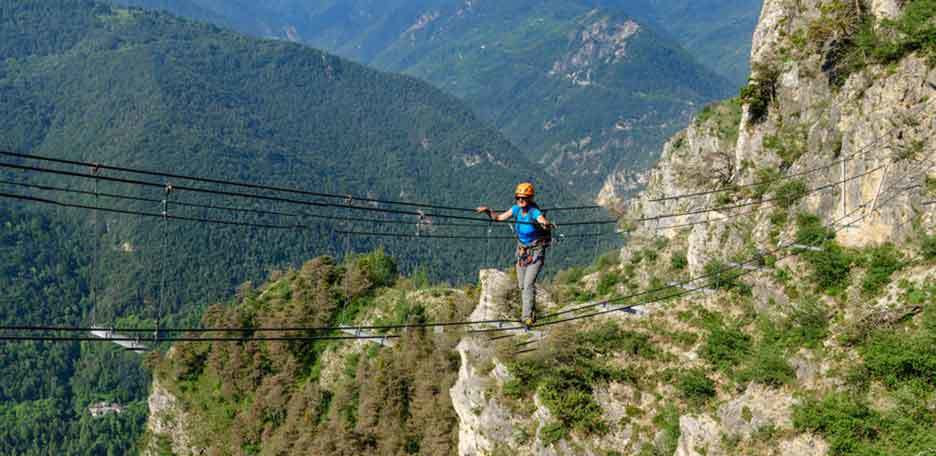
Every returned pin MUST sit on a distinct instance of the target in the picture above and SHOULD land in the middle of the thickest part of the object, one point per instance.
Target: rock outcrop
(168, 424)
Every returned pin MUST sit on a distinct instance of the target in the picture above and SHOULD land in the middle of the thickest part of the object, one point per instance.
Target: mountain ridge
(499, 58)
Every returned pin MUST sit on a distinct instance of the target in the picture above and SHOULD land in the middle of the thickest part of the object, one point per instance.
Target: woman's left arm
(543, 221)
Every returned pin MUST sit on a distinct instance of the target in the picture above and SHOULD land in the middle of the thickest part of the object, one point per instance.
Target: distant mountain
(89, 81)
(584, 90)
(716, 32)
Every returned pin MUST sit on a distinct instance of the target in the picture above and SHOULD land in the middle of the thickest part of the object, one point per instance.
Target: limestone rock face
(698, 436)
(862, 149)
(168, 421)
(758, 408)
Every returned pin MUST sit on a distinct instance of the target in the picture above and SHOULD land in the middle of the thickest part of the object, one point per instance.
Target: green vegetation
(831, 267)
(668, 422)
(45, 388)
(790, 192)
(857, 41)
(724, 277)
(760, 92)
(880, 263)
(564, 375)
(904, 360)
(928, 247)
(929, 183)
(726, 118)
(765, 179)
(272, 397)
(607, 283)
(679, 261)
(725, 345)
(789, 144)
(767, 366)
(694, 386)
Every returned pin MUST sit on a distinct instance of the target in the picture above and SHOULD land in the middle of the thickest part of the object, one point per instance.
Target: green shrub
(852, 427)
(679, 261)
(831, 266)
(694, 386)
(928, 247)
(790, 192)
(808, 323)
(607, 260)
(790, 143)
(856, 41)
(650, 254)
(724, 277)
(896, 358)
(760, 92)
(811, 231)
(725, 347)
(607, 283)
(768, 366)
(845, 422)
(569, 276)
(764, 179)
(880, 263)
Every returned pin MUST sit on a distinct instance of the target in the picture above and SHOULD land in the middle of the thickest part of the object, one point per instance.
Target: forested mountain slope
(777, 294)
(583, 89)
(89, 81)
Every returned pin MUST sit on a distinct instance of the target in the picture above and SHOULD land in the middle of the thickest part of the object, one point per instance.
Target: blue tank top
(527, 233)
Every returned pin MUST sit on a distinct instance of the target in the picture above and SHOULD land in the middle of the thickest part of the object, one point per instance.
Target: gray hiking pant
(526, 278)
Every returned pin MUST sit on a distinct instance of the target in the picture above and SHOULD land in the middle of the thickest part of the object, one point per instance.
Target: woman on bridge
(533, 235)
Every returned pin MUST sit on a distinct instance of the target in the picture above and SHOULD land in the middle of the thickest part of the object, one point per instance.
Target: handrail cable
(281, 199)
(252, 186)
(120, 196)
(248, 224)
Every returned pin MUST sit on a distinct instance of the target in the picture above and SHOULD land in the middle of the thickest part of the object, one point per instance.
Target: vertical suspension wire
(487, 244)
(597, 242)
(349, 200)
(97, 247)
(165, 260)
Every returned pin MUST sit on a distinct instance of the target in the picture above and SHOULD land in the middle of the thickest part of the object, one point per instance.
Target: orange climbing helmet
(525, 189)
